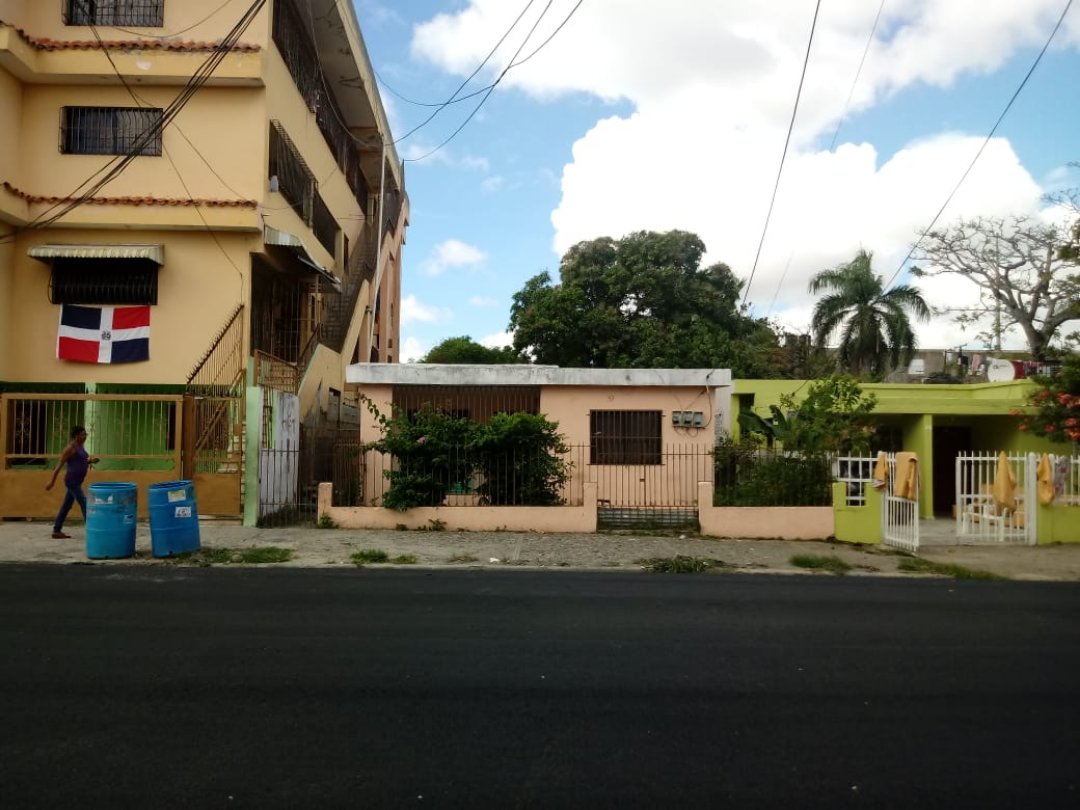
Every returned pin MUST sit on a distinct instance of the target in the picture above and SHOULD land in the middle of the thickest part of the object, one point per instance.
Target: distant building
(202, 204)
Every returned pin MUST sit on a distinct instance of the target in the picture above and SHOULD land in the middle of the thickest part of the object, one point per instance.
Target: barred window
(144, 13)
(104, 281)
(110, 130)
(625, 437)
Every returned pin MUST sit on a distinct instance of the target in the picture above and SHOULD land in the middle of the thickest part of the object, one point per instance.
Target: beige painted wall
(42, 18)
(7, 272)
(238, 159)
(197, 291)
(10, 132)
(570, 407)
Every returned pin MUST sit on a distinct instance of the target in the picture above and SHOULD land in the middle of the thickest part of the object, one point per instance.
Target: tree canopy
(642, 301)
(1025, 271)
(464, 350)
(874, 324)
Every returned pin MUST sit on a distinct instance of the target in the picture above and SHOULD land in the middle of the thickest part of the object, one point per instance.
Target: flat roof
(440, 374)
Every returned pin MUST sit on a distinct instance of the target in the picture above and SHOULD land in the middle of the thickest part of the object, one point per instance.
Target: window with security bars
(143, 13)
(110, 130)
(104, 281)
(625, 437)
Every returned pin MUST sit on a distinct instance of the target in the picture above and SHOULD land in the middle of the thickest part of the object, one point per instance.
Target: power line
(174, 33)
(836, 134)
(198, 79)
(470, 77)
(971, 165)
(858, 73)
(783, 157)
(506, 70)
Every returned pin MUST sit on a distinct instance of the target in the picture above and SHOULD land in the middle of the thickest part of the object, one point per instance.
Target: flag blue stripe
(131, 351)
(80, 317)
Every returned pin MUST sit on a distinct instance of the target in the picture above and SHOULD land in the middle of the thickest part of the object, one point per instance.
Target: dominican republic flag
(103, 334)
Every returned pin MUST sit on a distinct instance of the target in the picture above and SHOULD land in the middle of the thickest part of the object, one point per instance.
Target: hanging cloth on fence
(907, 476)
(1045, 479)
(880, 477)
(1004, 487)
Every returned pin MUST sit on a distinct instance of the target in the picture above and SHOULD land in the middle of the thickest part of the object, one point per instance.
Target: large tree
(1024, 276)
(642, 301)
(464, 350)
(873, 323)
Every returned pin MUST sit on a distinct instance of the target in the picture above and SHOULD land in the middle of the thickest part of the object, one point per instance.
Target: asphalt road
(208, 688)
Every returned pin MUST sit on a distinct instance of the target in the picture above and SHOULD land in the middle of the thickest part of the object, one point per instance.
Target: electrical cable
(783, 157)
(836, 134)
(858, 73)
(502, 75)
(174, 33)
(197, 80)
(971, 165)
(470, 77)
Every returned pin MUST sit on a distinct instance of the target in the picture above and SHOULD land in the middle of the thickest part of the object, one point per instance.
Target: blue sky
(640, 115)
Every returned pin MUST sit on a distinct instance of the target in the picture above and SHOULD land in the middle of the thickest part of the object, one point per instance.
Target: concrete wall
(763, 522)
(857, 524)
(1059, 523)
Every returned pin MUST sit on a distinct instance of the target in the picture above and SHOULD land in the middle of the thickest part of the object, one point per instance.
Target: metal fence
(750, 476)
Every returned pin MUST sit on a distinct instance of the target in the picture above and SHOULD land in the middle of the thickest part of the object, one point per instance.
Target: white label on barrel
(183, 512)
(177, 495)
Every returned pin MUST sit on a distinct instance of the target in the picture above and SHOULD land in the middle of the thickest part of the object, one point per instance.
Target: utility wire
(783, 157)
(470, 77)
(971, 165)
(836, 134)
(506, 70)
(144, 35)
(198, 79)
(858, 73)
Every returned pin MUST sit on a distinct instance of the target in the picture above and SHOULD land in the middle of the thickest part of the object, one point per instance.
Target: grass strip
(919, 565)
(821, 562)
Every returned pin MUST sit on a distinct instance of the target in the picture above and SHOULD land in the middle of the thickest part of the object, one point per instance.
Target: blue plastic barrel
(174, 518)
(110, 521)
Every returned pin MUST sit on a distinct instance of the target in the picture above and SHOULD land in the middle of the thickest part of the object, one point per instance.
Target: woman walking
(78, 463)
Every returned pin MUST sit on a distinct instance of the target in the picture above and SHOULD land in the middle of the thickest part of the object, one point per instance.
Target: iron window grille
(625, 437)
(104, 281)
(142, 13)
(111, 131)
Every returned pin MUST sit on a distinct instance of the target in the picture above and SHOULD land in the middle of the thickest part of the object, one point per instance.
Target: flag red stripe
(130, 317)
(81, 351)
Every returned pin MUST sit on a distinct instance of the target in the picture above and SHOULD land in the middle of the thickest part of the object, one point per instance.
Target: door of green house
(949, 442)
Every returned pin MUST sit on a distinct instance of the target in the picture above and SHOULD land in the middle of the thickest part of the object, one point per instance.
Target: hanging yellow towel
(1004, 488)
(1045, 479)
(880, 475)
(907, 476)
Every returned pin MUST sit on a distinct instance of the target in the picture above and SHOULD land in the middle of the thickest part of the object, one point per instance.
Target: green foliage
(643, 301)
(326, 522)
(821, 562)
(747, 475)
(464, 350)
(833, 418)
(875, 330)
(404, 559)
(260, 555)
(369, 555)
(1057, 405)
(519, 458)
(919, 565)
(680, 564)
(429, 448)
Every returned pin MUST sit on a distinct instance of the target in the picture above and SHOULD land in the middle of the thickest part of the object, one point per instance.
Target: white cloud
(479, 301)
(452, 253)
(413, 311)
(712, 84)
(497, 340)
(493, 183)
(412, 349)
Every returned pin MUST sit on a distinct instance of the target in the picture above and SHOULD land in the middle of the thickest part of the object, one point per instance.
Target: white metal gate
(899, 516)
(980, 517)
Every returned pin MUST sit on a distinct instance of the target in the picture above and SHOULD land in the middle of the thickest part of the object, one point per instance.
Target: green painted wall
(252, 429)
(857, 524)
(1058, 523)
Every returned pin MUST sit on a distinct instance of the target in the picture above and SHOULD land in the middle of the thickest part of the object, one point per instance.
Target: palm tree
(874, 325)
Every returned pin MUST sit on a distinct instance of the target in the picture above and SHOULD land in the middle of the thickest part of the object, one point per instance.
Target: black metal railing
(110, 130)
(145, 13)
(323, 225)
(295, 181)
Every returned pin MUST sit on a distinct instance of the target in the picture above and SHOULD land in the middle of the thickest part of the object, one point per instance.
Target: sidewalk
(30, 542)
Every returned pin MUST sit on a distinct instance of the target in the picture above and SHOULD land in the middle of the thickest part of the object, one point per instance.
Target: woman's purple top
(77, 467)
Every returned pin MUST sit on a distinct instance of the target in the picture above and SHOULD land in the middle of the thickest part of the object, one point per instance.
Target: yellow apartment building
(201, 222)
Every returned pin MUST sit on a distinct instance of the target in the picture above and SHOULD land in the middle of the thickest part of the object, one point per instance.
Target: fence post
(187, 437)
